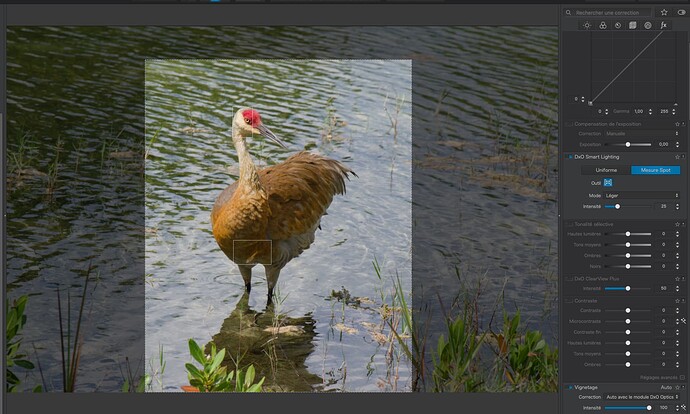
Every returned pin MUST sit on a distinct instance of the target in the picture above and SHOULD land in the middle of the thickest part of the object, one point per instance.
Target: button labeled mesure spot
(655, 170)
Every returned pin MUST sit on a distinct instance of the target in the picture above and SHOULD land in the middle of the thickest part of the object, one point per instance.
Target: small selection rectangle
(257, 246)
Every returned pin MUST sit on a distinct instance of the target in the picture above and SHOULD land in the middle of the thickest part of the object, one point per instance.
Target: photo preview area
(452, 138)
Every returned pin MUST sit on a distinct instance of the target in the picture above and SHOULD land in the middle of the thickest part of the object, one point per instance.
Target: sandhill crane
(269, 216)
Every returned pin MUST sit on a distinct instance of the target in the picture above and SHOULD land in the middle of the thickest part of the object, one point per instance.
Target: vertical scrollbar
(3, 181)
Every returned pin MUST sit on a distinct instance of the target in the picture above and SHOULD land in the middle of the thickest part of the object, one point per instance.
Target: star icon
(664, 12)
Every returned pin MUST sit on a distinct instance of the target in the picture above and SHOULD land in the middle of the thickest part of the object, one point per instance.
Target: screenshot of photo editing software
(225, 205)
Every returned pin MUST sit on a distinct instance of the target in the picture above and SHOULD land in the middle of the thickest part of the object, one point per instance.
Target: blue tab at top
(655, 170)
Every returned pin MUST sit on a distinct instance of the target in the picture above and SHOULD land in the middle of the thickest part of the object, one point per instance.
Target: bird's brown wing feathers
(299, 192)
(222, 199)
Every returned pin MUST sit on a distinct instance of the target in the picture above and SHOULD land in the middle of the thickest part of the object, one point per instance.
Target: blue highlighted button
(655, 170)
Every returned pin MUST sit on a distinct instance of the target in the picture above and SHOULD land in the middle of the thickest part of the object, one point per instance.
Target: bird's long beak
(265, 132)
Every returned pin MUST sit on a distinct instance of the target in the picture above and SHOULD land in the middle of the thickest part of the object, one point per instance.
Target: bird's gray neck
(248, 172)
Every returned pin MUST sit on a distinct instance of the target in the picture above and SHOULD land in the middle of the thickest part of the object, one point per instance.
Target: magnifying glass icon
(567, 12)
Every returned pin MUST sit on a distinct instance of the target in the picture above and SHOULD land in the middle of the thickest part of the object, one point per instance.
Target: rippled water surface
(118, 143)
(332, 107)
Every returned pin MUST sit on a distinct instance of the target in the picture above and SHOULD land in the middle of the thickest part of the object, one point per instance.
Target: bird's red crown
(252, 117)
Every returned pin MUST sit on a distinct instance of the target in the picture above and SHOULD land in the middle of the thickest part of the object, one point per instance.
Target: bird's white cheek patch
(252, 252)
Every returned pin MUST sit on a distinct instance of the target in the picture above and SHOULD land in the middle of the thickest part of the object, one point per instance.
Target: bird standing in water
(269, 216)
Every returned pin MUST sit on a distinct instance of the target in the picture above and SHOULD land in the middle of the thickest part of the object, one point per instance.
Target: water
(483, 117)
(486, 172)
(335, 108)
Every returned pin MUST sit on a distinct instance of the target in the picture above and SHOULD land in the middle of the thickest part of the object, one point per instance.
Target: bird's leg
(246, 272)
(272, 274)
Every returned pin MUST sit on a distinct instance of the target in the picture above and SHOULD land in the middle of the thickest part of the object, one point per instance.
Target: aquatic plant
(70, 347)
(133, 381)
(469, 359)
(213, 377)
(456, 356)
(525, 362)
(54, 169)
(16, 319)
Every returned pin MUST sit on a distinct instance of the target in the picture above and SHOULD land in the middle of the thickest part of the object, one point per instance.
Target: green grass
(20, 155)
(71, 343)
(465, 358)
(54, 169)
(398, 317)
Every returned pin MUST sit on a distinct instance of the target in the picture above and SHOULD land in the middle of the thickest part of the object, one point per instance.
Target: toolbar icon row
(625, 25)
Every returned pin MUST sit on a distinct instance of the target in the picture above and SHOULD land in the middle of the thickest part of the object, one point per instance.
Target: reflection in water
(276, 344)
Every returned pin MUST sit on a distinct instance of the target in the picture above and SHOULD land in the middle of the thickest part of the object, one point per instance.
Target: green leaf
(200, 385)
(24, 364)
(223, 386)
(541, 344)
(514, 324)
(239, 380)
(213, 350)
(11, 377)
(249, 376)
(141, 387)
(11, 320)
(196, 352)
(160, 356)
(217, 360)
(20, 303)
(193, 371)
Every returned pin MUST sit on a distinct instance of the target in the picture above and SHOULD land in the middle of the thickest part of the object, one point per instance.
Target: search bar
(607, 12)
